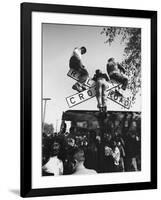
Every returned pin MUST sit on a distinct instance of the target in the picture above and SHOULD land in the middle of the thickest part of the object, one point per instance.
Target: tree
(131, 37)
(48, 129)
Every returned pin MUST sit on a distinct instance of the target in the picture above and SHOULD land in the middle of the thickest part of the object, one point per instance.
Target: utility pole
(56, 125)
(44, 112)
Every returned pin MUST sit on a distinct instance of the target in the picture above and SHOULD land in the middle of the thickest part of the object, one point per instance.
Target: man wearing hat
(75, 63)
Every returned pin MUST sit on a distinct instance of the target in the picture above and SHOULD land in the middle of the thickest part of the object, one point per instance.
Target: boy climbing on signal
(101, 86)
(75, 63)
(114, 71)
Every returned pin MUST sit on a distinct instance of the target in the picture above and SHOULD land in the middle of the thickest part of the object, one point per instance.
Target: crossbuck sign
(89, 93)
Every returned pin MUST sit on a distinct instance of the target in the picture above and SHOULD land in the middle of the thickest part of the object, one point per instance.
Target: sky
(58, 42)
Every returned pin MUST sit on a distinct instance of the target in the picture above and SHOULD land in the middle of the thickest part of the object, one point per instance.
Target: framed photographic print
(88, 99)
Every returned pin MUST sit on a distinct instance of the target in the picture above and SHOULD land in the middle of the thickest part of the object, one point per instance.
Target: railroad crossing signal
(89, 93)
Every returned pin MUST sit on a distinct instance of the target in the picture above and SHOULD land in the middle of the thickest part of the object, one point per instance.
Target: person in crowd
(69, 161)
(85, 141)
(76, 64)
(71, 142)
(114, 71)
(120, 145)
(116, 155)
(91, 153)
(101, 80)
(108, 160)
(63, 127)
(131, 148)
(54, 166)
(79, 159)
(46, 143)
(45, 154)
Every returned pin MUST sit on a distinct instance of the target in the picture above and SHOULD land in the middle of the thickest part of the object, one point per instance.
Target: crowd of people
(87, 151)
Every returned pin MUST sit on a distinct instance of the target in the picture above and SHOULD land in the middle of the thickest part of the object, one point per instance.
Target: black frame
(26, 104)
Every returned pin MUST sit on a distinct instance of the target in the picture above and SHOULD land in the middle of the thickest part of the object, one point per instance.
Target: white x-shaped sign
(89, 93)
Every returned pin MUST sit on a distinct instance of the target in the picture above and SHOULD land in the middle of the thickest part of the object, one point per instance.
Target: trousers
(101, 86)
(120, 78)
(76, 64)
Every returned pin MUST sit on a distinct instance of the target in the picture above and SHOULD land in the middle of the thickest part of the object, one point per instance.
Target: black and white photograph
(91, 99)
(88, 100)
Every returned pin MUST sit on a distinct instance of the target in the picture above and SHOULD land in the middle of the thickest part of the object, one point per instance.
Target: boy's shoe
(124, 87)
(77, 87)
(84, 87)
(118, 93)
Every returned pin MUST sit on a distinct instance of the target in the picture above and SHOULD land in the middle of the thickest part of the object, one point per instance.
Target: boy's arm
(94, 78)
(108, 77)
(121, 67)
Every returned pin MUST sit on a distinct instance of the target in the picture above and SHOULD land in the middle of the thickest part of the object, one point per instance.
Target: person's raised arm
(121, 68)
(94, 77)
(108, 77)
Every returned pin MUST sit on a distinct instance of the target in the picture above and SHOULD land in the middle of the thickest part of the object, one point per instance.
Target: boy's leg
(121, 79)
(98, 94)
(83, 75)
(125, 82)
(78, 87)
(104, 94)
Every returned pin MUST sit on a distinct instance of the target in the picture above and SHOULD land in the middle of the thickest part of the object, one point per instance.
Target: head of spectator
(116, 133)
(71, 142)
(92, 137)
(108, 151)
(126, 124)
(78, 154)
(98, 138)
(119, 144)
(55, 147)
(108, 136)
(133, 126)
(76, 157)
(117, 122)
